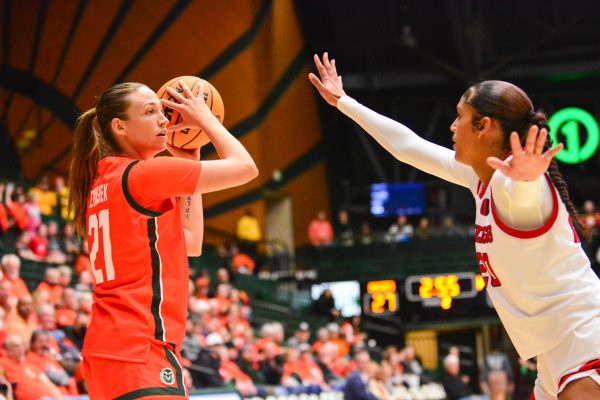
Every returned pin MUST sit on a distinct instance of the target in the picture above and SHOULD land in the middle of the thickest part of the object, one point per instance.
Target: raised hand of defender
(330, 85)
(528, 163)
(193, 109)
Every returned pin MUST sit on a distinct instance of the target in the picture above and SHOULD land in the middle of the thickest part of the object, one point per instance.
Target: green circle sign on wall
(567, 122)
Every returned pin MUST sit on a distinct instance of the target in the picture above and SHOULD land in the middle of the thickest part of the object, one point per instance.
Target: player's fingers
(531, 138)
(497, 163)
(171, 104)
(320, 66)
(326, 62)
(333, 68)
(176, 95)
(553, 151)
(186, 89)
(540, 141)
(515, 143)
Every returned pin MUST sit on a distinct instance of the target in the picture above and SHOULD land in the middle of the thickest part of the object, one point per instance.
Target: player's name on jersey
(98, 195)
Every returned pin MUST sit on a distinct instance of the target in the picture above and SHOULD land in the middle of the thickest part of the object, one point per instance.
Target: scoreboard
(427, 298)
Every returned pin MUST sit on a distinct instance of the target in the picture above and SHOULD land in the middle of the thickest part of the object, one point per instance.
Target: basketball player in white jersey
(538, 277)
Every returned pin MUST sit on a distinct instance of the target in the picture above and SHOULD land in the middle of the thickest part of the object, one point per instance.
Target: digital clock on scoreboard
(440, 290)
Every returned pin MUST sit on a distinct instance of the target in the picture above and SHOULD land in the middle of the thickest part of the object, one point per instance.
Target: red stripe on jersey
(575, 235)
(481, 189)
(532, 397)
(535, 232)
(594, 364)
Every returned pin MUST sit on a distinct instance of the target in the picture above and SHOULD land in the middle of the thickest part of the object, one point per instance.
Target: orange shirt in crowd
(82, 263)
(242, 263)
(19, 215)
(48, 363)
(308, 371)
(19, 288)
(32, 384)
(65, 317)
(342, 345)
(4, 225)
(16, 325)
(230, 371)
(55, 292)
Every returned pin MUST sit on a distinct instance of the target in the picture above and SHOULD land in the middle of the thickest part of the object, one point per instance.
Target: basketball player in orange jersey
(538, 277)
(142, 217)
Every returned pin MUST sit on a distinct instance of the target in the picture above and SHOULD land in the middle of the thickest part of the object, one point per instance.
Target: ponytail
(84, 167)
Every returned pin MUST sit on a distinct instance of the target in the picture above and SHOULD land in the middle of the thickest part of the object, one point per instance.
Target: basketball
(190, 138)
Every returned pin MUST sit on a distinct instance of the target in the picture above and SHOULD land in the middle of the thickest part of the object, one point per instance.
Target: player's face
(147, 126)
(464, 134)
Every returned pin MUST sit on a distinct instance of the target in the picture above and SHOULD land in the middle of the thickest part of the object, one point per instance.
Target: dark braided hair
(514, 111)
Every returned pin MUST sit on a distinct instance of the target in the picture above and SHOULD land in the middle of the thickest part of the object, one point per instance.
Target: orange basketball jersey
(138, 256)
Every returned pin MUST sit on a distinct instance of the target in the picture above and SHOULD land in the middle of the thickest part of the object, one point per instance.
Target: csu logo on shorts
(167, 376)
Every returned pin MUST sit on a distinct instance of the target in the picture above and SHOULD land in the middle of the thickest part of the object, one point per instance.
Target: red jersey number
(486, 267)
(100, 224)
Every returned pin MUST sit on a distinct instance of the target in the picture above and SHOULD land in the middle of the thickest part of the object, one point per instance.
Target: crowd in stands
(42, 326)
(342, 232)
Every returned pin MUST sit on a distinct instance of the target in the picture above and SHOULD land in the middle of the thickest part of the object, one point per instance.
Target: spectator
(325, 306)
(11, 267)
(85, 281)
(356, 387)
(51, 284)
(271, 365)
(65, 276)
(241, 263)
(297, 377)
(16, 209)
(70, 244)
(301, 336)
(248, 233)
(336, 338)
(376, 382)
(61, 192)
(4, 222)
(320, 232)
(400, 231)
(232, 374)
(344, 234)
(23, 322)
(33, 211)
(31, 383)
(205, 368)
(450, 229)
(46, 199)
(422, 232)
(75, 334)
(38, 245)
(83, 262)
(55, 253)
(497, 378)
(8, 302)
(69, 307)
(40, 355)
(527, 375)
(365, 238)
(454, 385)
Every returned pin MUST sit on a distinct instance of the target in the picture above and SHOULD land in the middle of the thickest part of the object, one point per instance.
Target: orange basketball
(190, 138)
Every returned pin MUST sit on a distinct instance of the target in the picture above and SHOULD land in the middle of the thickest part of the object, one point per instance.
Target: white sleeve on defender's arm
(407, 146)
(522, 205)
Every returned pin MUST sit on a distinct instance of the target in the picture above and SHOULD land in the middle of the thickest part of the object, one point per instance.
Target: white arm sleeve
(407, 146)
(522, 205)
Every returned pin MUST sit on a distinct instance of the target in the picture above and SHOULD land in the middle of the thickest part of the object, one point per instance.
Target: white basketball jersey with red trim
(539, 281)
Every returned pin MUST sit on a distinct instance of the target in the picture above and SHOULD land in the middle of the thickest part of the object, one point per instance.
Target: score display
(428, 297)
(440, 290)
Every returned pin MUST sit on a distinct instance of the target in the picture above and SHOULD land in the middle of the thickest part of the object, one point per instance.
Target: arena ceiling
(57, 55)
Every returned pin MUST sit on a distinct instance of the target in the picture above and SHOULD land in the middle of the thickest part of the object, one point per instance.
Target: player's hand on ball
(330, 85)
(193, 109)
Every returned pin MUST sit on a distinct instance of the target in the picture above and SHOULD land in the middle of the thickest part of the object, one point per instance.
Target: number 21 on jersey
(99, 224)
